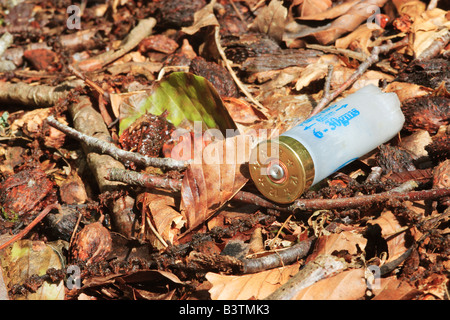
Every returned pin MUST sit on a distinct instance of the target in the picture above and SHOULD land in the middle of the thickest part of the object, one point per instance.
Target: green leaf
(185, 96)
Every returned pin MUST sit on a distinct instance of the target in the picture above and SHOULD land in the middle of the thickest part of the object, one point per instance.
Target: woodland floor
(80, 219)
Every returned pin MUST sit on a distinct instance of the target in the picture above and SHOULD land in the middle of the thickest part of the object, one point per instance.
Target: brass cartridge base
(282, 169)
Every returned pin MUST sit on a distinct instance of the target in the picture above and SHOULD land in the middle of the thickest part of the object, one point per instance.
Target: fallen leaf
(241, 111)
(429, 26)
(389, 228)
(186, 97)
(347, 285)
(340, 74)
(211, 181)
(313, 7)
(406, 90)
(345, 240)
(252, 286)
(271, 20)
(168, 221)
(203, 18)
(393, 289)
(349, 21)
(331, 12)
(416, 143)
(26, 258)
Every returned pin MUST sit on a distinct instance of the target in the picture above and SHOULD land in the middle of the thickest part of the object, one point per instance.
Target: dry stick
(35, 96)
(259, 106)
(435, 48)
(367, 200)
(117, 153)
(103, 95)
(279, 258)
(27, 229)
(151, 181)
(374, 57)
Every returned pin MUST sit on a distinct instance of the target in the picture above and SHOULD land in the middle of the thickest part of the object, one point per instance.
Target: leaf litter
(153, 223)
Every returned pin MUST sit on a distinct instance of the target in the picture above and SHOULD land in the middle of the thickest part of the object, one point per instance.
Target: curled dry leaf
(214, 179)
(340, 74)
(391, 231)
(257, 285)
(241, 111)
(429, 26)
(168, 221)
(348, 22)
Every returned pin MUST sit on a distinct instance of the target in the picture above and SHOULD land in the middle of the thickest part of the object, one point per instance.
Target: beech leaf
(211, 181)
(186, 97)
(257, 285)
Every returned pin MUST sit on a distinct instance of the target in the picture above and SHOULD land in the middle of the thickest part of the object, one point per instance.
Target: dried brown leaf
(390, 228)
(330, 13)
(393, 289)
(271, 20)
(208, 185)
(349, 21)
(347, 285)
(168, 221)
(314, 7)
(257, 285)
(406, 90)
(345, 240)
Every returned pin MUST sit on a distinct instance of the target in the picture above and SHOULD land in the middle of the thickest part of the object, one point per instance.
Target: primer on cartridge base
(283, 168)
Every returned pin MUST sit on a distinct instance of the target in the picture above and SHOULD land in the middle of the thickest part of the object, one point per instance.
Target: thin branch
(27, 229)
(259, 106)
(143, 179)
(117, 153)
(367, 200)
(150, 181)
(435, 48)
(373, 58)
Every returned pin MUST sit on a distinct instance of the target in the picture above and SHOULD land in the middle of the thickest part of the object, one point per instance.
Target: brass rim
(295, 160)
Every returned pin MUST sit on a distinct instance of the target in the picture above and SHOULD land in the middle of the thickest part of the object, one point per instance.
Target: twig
(33, 96)
(238, 82)
(117, 153)
(435, 48)
(143, 179)
(367, 200)
(225, 263)
(374, 57)
(102, 94)
(279, 258)
(320, 268)
(27, 229)
(327, 87)
(150, 181)
(346, 52)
